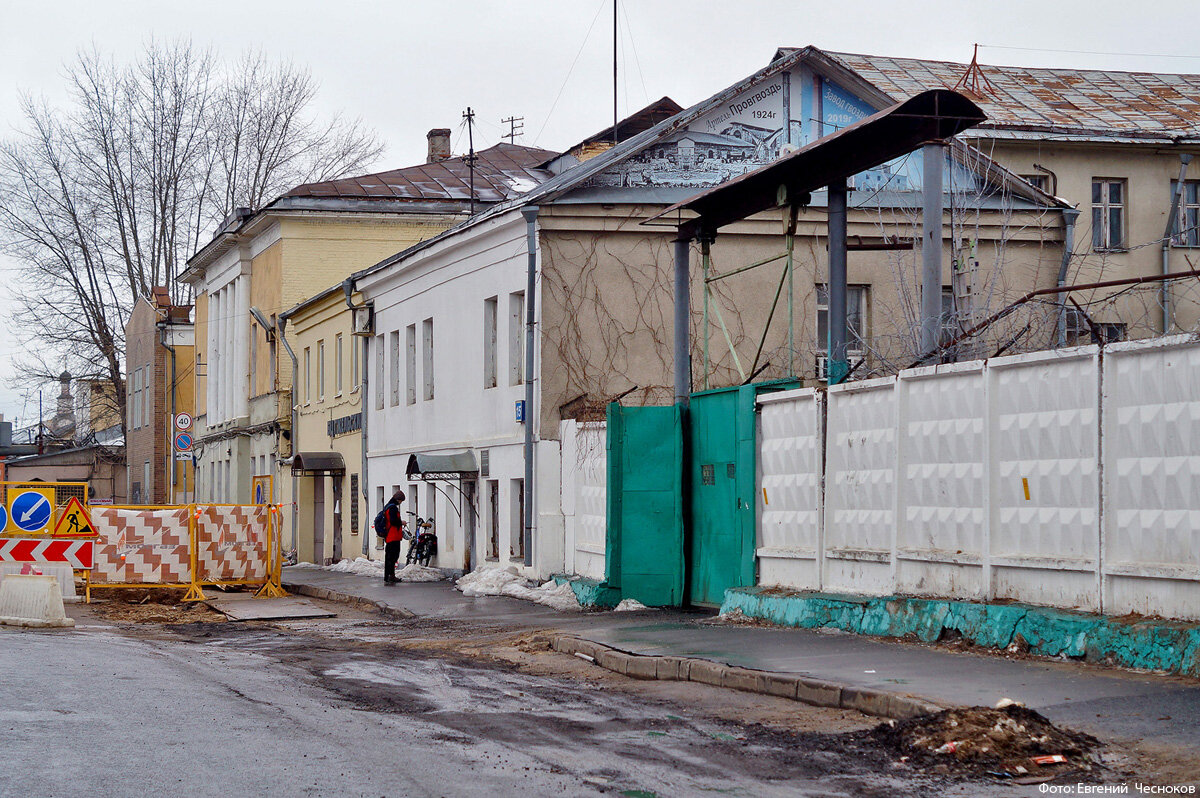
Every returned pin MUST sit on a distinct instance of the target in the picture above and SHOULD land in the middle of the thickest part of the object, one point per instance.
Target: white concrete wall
(983, 481)
(449, 282)
(584, 496)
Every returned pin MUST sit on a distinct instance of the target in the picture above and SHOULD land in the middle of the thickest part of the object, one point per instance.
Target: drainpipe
(1172, 217)
(281, 323)
(1070, 215)
(364, 484)
(171, 463)
(683, 312)
(530, 213)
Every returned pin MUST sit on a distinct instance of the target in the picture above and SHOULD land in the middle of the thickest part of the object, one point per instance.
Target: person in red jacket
(395, 536)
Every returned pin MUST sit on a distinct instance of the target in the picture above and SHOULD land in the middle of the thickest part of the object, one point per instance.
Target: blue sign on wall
(520, 411)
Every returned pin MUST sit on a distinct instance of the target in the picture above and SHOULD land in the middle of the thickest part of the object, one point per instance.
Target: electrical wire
(553, 105)
(1085, 52)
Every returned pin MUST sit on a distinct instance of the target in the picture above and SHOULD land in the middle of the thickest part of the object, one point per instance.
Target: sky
(405, 67)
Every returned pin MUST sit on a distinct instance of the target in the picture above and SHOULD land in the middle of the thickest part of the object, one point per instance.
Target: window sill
(1110, 250)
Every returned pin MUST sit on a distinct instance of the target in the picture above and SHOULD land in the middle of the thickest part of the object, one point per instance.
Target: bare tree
(107, 197)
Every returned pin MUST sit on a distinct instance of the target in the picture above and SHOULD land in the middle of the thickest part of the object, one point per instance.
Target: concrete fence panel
(1152, 478)
(860, 487)
(940, 544)
(790, 466)
(1044, 477)
(584, 496)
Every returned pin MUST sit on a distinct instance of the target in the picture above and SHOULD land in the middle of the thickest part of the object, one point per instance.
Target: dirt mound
(145, 605)
(1013, 741)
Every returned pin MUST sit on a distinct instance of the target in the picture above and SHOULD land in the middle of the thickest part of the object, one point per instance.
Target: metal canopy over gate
(928, 118)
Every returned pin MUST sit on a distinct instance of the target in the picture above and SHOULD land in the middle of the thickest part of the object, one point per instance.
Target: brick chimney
(439, 144)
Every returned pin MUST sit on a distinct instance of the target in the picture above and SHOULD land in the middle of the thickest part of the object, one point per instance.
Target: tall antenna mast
(614, 73)
(469, 115)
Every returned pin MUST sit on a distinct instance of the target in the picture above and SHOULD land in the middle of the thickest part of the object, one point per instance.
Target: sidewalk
(1111, 704)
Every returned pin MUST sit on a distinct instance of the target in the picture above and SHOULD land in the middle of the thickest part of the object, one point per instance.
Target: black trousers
(391, 555)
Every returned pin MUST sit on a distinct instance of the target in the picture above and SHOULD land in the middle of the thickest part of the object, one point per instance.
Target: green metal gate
(722, 468)
(644, 544)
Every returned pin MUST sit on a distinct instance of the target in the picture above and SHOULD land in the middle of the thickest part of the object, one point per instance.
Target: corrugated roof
(502, 172)
(1096, 102)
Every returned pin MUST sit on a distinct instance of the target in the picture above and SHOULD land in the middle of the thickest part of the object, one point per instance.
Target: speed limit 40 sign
(183, 421)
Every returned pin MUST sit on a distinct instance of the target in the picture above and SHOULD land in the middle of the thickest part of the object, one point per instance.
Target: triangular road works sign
(74, 521)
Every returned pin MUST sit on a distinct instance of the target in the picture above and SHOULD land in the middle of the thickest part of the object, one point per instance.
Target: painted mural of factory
(747, 133)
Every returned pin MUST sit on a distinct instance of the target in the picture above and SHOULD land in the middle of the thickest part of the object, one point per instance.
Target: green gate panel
(644, 544)
(723, 472)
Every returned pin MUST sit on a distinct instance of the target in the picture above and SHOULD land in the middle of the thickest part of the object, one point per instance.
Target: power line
(554, 104)
(1086, 52)
(516, 127)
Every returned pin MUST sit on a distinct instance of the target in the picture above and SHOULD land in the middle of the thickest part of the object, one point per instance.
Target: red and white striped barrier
(76, 553)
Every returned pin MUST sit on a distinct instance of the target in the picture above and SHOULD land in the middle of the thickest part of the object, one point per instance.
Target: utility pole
(614, 73)
(469, 115)
(516, 127)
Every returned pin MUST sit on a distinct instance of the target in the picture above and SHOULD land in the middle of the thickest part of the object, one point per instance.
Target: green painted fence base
(590, 592)
(1148, 643)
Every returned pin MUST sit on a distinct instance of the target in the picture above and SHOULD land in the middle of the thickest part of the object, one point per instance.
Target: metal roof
(1085, 102)
(879, 138)
(501, 172)
(442, 466)
(314, 463)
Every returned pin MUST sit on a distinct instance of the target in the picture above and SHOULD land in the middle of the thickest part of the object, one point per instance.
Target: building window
(379, 373)
(427, 358)
(394, 339)
(856, 306)
(147, 397)
(253, 359)
(493, 519)
(321, 370)
(1083, 330)
(354, 381)
(489, 342)
(147, 484)
(1187, 223)
(133, 399)
(410, 363)
(337, 365)
(1041, 182)
(307, 375)
(1108, 214)
(354, 502)
(517, 526)
(516, 338)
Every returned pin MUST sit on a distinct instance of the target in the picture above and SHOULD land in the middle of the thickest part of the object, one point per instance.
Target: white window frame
(1187, 220)
(1102, 234)
(490, 312)
(516, 338)
(410, 364)
(427, 359)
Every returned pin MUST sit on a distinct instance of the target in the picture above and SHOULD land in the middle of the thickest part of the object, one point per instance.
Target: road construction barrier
(187, 546)
(35, 601)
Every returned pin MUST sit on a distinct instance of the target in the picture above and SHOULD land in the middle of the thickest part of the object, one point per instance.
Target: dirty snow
(522, 184)
(630, 605)
(506, 582)
(374, 568)
(419, 573)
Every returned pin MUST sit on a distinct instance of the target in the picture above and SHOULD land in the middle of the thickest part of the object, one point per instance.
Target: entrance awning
(311, 464)
(460, 465)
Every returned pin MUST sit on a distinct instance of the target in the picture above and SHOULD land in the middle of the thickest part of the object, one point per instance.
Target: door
(720, 554)
(337, 516)
(319, 520)
(722, 470)
(644, 545)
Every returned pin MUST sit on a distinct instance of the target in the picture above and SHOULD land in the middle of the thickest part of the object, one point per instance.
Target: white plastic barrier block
(34, 601)
(66, 576)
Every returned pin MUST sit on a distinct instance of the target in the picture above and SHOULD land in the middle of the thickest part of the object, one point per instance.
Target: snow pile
(630, 605)
(506, 582)
(361, 566)
(419, 573)
(304, 564)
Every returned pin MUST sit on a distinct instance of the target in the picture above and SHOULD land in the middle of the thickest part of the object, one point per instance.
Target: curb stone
(357, 602)
(804, 689)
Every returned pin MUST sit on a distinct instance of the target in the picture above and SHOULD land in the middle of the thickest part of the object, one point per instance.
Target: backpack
(381, 522)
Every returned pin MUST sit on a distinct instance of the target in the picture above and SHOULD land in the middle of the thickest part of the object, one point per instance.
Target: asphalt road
(231, 709)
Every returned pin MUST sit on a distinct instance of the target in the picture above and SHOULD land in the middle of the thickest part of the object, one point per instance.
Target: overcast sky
(405, 67)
